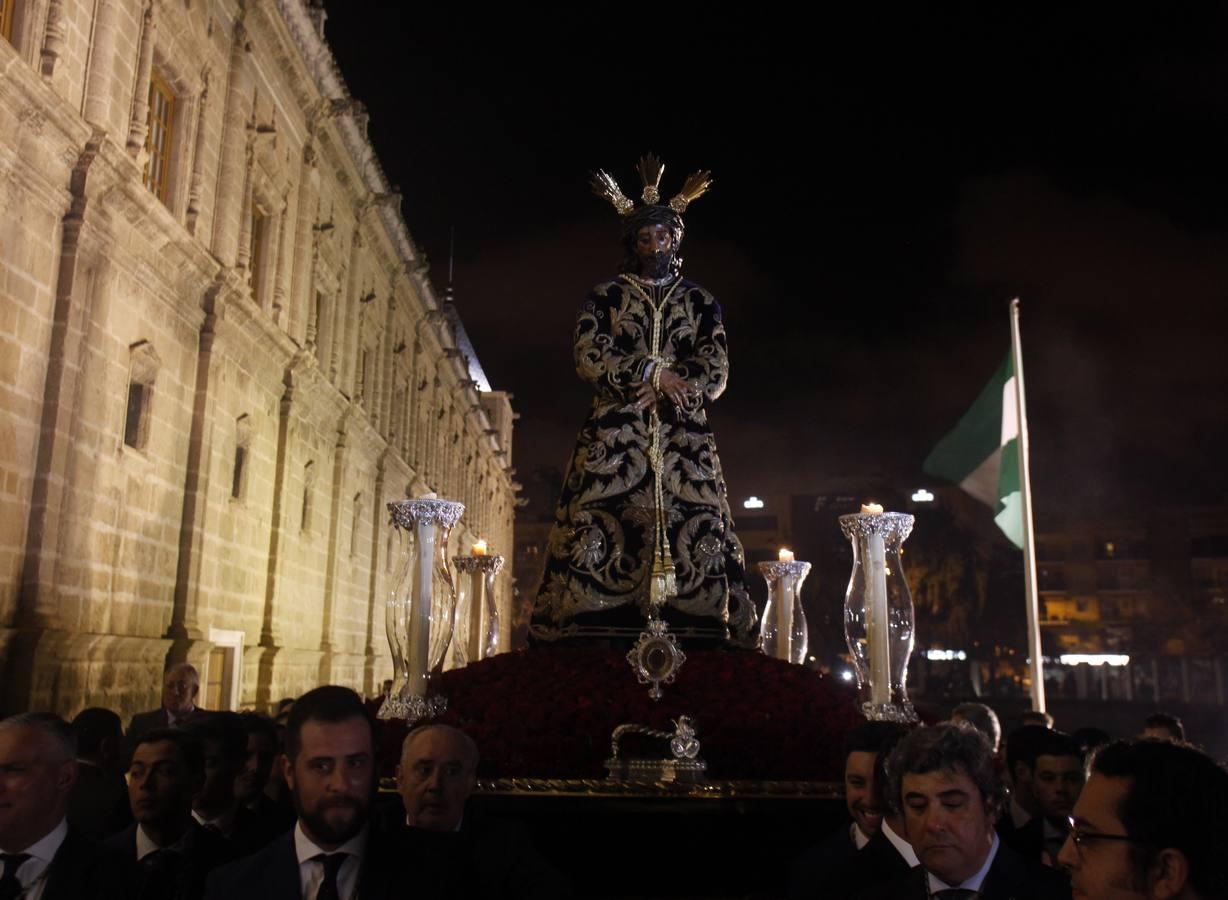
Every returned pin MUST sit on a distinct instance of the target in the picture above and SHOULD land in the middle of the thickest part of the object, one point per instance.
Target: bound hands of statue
(673, 386)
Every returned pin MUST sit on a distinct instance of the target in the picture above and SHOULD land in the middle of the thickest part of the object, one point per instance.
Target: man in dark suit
(41, 857)
(854, 853)
(1150, 824)
(945, 782)
(463, 855)
(167, 853)
(98, 804)
(180, 687)
(331, 854)
(261, 818)
(1020, 826)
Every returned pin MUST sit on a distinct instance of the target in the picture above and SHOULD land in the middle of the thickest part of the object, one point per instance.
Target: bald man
(485, 858)
(180, 688)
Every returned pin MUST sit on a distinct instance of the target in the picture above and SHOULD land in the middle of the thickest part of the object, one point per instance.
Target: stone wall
(210, 389)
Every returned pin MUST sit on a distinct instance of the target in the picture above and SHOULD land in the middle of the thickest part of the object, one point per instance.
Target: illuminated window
(158, 140)
(6, 19)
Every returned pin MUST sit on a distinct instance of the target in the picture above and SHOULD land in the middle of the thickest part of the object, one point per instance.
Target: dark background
(884, 184)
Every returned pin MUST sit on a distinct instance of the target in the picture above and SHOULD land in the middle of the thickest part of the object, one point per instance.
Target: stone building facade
(220, 357)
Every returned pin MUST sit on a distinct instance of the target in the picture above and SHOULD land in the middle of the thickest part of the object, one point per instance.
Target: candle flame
(786, 555)
(872, 509)
(479, 549)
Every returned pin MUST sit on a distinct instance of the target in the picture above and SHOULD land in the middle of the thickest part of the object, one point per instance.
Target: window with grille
(158, 140)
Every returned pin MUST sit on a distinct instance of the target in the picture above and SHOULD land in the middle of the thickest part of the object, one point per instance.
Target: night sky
(884, 184)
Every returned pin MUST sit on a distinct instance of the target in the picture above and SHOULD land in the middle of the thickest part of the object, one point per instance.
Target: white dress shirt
(973, 883)
(902, 846)
(145, 844)
(311, 871)
(32, 874)
(858, 836)
(225, 823)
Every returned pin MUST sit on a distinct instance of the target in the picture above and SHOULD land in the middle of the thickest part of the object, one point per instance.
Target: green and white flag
(981, 454)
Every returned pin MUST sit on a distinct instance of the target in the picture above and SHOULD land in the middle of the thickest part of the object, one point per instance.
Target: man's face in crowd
(654, 244)
(221, 770)
(261, 749)
(859, 791)
(1057, 783)
(179, 690)
(949, 823)
(35, 780)
(160, 785)
(332, 778)
(1101, 869)
(436, 777)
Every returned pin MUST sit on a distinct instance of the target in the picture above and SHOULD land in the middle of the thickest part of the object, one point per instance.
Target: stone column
(279, 267)
(53, 39)
(280, 530)
(375, 609)
(243, 256)
(302, 272)
(328, 645)
(138, 124)
(196, 182)
(351, 319)
(227, 209)
(74, 299)
(184, 628)
(99, 81)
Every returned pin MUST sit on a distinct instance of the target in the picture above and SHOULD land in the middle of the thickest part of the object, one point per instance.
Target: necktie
(332, 866)
(955, 894)
(10, 887)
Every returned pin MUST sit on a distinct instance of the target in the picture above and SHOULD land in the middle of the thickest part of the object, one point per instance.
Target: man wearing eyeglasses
(1150, 824)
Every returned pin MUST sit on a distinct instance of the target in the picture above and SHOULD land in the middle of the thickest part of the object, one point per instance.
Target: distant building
(220, 358)
(1153, 589)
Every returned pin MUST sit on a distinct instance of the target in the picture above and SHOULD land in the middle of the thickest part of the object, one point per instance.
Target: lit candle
(430, 495)
(479, 549)
(876, 610)
(786, 555)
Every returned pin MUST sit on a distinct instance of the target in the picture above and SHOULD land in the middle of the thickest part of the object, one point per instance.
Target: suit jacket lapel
(1005, 877)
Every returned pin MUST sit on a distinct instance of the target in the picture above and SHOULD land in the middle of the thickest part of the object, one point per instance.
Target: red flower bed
(548, 712)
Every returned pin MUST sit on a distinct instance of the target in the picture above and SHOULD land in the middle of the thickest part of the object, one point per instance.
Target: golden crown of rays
(651, 169)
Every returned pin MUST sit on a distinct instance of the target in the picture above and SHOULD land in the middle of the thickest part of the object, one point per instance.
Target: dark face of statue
(654, 245)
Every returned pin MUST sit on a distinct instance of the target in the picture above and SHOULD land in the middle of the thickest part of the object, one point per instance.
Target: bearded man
(642, 526)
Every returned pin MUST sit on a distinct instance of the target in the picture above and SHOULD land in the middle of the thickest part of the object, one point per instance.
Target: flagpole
(1029, 539)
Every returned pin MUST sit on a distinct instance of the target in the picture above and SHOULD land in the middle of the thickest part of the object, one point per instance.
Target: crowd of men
(953, 812)
(189, 805)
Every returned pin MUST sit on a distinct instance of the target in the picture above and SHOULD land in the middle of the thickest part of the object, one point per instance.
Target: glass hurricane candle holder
(421, 609)
(878, 613)
(476, 605)
(782, 631)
